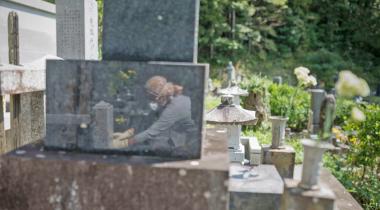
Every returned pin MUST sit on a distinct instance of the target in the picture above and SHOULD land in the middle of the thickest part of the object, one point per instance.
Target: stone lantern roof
(229, 114)
(234, 90)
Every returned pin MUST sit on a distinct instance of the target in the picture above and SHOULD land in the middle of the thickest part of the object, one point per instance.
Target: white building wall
(37, 29)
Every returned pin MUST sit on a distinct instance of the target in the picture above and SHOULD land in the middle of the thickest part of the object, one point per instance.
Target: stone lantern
(235, 91)
(232, 116)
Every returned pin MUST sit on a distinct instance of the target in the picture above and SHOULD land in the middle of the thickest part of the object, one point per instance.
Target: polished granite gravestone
(151, 30)
(82, 96)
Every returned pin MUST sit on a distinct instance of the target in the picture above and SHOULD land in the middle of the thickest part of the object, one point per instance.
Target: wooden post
(15, 133)
(3, 144)
(13, 39)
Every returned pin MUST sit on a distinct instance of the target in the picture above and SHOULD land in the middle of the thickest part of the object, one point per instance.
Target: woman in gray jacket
(174, 133)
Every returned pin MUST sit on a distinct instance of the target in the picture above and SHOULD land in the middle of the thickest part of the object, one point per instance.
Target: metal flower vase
(312, 162)
(278, 131)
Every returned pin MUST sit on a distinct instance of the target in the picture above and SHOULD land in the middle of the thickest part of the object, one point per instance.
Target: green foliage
(258, 98)
(211, 102)
(51, 1)
(364, 138)
(259, 85)
(358, 170)
(364, 188)
(275, 36)
(280, 103)
(236, 30)
(100, 26)
(298, 148)
(343, 110)
(263, 135)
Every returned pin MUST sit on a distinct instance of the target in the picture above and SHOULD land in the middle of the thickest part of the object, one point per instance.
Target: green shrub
(258, 98)
(358, 169)
(280, 103)
(365, 189)
(211, 102)
(364, 138)
(343, 110)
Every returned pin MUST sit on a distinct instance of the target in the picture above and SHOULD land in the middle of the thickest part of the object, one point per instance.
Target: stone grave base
(34, 179)
(283, 159)
(296, 198)
(250, 192)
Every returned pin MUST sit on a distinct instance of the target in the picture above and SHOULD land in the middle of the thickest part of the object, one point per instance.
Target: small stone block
(253, 148)
(296, 198)
(237, 155)
(250, 192)
(283, 159)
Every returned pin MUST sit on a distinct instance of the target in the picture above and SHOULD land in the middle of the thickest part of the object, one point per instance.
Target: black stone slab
(150, 30)
(75, 88)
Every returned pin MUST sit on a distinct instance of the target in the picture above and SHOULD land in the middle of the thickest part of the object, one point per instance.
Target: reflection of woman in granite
(174, 132)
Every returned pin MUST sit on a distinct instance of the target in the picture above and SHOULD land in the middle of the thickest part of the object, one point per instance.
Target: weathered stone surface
(77, 29)
(19, 79)
(34, 179)
(262, 192)
(75, 87)
(37, 104)
(283, 159)
(151, 30)
(296, 198)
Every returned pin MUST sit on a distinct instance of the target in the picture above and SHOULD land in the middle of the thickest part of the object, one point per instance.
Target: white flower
(350, 85)
(303, 77)
(313, 80)
(301, 72)
(364, 88)
(357, 115)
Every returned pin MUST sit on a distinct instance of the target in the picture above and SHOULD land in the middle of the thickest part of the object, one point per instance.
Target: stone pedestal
(34, 179)
(235, 149)
(283, 159)
(261, 192)
(296, 198)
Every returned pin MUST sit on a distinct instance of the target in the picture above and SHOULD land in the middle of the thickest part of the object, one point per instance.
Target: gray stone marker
(75, 117)
(151, 30)
(103, 125)
(77, 29)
